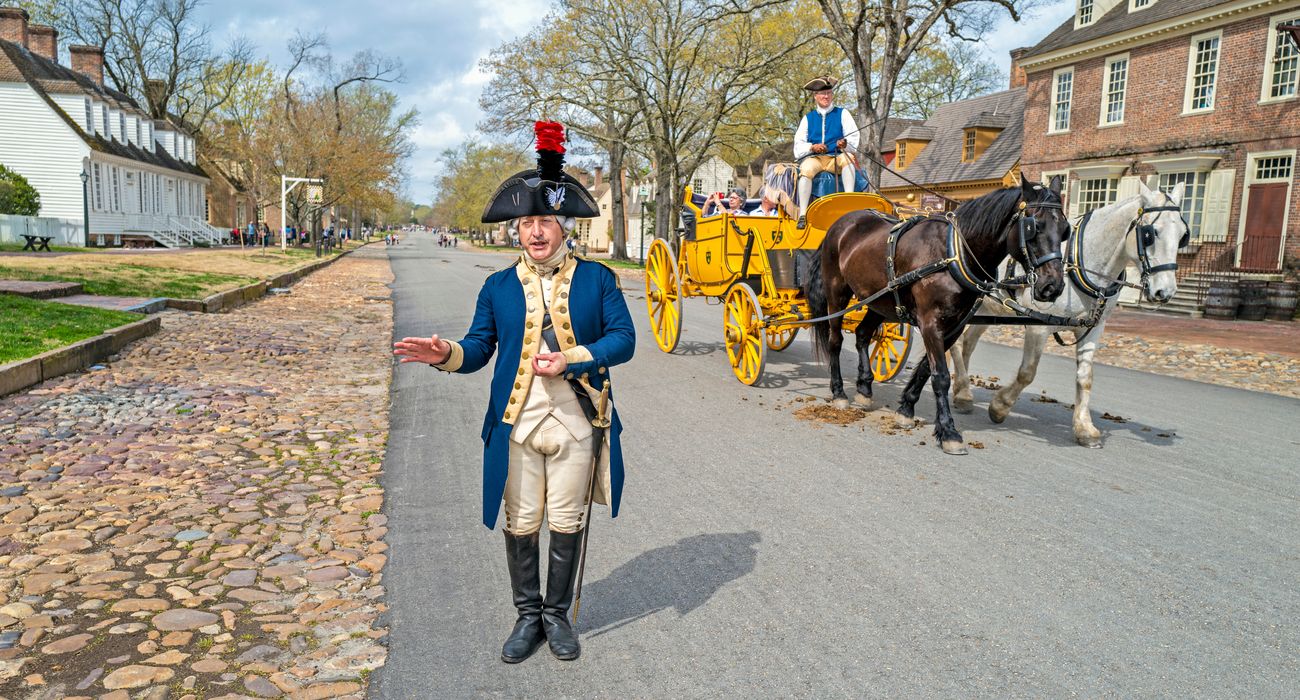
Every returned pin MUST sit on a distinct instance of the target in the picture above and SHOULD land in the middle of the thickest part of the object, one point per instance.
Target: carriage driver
(821, 143)
(557, 324)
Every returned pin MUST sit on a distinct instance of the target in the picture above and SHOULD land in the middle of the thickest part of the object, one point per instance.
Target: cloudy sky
(440, 43)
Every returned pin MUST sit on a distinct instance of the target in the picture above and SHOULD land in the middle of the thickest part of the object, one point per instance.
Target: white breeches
(549, 477)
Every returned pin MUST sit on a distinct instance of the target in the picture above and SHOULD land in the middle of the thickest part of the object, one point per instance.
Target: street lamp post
(284, 193)
(85, 207)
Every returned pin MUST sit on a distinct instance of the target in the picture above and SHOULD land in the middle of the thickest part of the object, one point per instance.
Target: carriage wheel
(663, 295)
(779, 338)
(890, 346)
(742, 329)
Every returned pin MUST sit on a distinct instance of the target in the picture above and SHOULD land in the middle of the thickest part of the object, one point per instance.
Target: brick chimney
(89, 61)
(1018, 78)
(13, 25)
(44, 41)
(600, 177)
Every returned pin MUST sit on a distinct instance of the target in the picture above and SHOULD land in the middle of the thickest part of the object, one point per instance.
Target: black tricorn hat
(546, 189)
(824, 82)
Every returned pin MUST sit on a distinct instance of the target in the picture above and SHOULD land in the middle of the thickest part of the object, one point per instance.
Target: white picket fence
(63, 231)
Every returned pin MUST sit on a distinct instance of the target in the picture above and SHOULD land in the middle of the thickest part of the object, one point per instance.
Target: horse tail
(814, 290)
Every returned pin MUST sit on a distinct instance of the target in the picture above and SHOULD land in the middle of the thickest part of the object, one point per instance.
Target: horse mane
(989, 213)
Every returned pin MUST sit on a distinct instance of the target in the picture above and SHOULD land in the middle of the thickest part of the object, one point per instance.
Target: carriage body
(754, 266)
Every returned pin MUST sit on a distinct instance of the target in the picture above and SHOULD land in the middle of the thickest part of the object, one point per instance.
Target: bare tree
(941, 72)
(158, 52)
(543, 74)
(688, 65)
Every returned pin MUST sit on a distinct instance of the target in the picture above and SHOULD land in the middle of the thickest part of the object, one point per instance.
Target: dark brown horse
(1023, 222)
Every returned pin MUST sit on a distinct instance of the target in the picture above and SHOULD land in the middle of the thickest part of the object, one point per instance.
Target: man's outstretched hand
(430, 351)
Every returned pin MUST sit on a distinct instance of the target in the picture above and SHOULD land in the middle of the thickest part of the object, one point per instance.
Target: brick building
(1202, 92)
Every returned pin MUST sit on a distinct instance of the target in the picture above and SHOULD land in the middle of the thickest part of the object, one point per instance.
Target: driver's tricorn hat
(547, 189)
(824, 82)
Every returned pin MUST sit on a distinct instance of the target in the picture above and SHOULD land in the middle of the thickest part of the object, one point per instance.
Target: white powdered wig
(566, 222)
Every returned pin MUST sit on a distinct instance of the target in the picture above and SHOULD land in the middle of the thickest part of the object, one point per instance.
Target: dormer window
(1086, 8)
(900, 155)
(968, 147)
(1135, 5)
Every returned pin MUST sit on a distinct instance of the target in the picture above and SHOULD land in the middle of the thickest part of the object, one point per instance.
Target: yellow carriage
(751, 264)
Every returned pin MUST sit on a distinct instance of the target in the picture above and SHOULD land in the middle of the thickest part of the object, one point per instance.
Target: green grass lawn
(126, 280)
(30, 327)
(18, 248)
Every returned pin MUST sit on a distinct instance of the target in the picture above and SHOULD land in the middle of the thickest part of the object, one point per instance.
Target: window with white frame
(103, 120)
(121, 126)
(1193, 201)
(116, 188)
(90, 117)
(1086, 8)
(1140, 4)
(698, 185)
(1097, 192)
(1113, 88)
(1202, 72)
(1273, 168)
(1062, 95)
(98, 185)
(1282, 69)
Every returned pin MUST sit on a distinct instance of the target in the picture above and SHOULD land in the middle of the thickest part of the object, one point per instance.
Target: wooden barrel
(1254, 300)
(1222, 300)
(1282, 298)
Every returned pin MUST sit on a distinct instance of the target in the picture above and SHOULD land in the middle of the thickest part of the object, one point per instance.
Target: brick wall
(1155, 126)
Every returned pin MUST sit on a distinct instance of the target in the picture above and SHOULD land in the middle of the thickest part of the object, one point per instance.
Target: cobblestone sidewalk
(200, 518)
(1237, 361)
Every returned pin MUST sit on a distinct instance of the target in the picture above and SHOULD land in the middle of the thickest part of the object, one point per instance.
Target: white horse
(1107, 241)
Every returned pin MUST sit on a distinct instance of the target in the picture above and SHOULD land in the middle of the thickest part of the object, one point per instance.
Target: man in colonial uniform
(557, 324)
(825, 140)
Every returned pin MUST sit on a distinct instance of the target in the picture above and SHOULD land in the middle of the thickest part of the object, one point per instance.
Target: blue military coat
(593, 328)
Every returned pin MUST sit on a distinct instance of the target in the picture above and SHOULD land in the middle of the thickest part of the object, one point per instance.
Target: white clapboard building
(57, 122)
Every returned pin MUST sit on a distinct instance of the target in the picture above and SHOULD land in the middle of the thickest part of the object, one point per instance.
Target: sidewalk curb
(235, 298)
(19, 375)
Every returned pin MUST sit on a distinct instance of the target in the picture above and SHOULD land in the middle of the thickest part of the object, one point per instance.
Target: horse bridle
(1027, 228)
(1147, 236)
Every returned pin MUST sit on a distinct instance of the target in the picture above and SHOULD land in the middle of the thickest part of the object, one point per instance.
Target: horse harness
(1146, 238)
(955, 263)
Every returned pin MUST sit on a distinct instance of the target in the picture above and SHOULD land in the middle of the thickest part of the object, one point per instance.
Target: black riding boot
(521, 558)
(559, 595)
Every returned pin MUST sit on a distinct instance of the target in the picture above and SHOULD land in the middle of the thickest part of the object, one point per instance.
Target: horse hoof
(963, 406)
(862, 401)
(996, 416)
(1089, 442)
(953, 447)
(904, 422)
(840, 403)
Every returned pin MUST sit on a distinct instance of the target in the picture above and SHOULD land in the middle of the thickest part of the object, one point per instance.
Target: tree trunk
(666, 204)
(618, 226)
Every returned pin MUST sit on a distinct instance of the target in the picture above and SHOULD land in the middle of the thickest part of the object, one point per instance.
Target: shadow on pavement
(684, 576)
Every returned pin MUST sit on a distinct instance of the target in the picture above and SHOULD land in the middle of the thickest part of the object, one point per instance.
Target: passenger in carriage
(766, 206)
(733, 203)
(825, 140)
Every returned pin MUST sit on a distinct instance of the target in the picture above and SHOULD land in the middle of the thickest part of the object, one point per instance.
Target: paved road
(761, 555)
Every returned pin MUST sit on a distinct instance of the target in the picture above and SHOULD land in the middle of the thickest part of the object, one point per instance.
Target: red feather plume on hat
(550, 149)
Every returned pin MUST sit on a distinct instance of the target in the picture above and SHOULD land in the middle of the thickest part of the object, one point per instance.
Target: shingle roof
(940, 161)
(988, 120)
(918, 132)
(1119, 19)
(42, 75)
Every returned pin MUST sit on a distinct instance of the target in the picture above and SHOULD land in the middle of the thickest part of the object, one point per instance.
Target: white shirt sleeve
(851, 128)
(801, 145)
